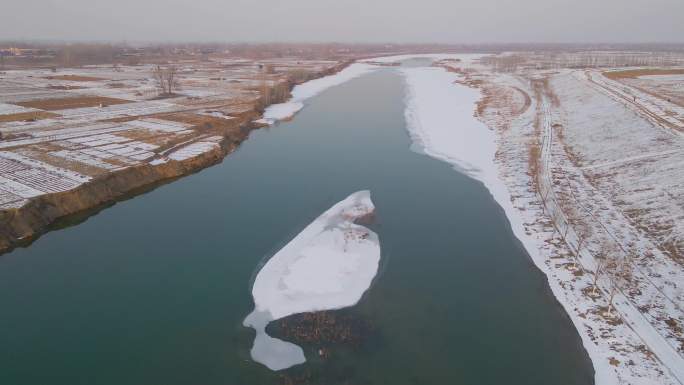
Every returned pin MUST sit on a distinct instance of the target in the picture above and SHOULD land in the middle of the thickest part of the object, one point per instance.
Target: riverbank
(483, 125)
(127, 151)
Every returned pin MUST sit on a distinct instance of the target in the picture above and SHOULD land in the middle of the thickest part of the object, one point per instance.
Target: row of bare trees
(616, 267)
(568, 219)
(514, 61)
(610, 261)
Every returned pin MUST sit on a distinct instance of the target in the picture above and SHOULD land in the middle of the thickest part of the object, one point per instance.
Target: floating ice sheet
(329, 265)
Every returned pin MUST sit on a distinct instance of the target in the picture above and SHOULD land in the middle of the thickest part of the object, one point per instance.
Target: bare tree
(600, 264)
(619, 272)
(166, 79)
(613, 291)
(615, 277)
(606, 259)
(561, 224)
(583, 232)
(566, 229)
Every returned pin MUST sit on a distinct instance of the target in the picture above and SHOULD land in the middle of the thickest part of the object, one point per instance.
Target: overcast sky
(441, 21)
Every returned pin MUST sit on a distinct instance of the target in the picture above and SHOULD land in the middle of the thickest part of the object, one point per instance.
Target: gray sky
(440, 21)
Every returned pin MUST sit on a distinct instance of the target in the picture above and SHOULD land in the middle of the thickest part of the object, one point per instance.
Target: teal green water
(154, 289)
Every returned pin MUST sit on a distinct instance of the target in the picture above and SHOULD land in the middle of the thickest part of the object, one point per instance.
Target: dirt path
(528, 101)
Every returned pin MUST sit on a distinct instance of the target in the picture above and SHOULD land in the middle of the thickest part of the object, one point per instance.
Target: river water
(154, 289)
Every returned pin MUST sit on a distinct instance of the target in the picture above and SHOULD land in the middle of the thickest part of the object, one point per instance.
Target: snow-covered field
(634, 160)
(329, 265)
(666, 86)
(651, 105)
(22, 178)
(193, 150)
(8, 109)
(74, 125)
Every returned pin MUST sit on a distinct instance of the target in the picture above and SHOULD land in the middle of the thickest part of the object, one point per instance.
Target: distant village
(36, 55)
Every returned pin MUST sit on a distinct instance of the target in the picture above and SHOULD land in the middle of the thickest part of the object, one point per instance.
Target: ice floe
(329, 265)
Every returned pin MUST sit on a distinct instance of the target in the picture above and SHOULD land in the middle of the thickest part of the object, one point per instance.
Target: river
(153, 290)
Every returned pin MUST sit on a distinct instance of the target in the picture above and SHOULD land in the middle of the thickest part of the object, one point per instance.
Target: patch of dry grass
(200, 122)
(68, 87)
(642, 72)
(75, 78)
(27, 116)
(71, 102)
(121, 119)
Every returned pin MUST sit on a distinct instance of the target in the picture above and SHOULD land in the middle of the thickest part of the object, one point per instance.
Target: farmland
(65, 130)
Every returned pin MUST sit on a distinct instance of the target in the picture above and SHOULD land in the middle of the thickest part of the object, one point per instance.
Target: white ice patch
(159, 125)
(8, 109)
(301, 92)
(440, 120)
(193, 150)
(281, 111)
(329, 265)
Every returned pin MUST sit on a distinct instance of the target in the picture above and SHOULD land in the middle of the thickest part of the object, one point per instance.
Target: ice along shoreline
(307, 90)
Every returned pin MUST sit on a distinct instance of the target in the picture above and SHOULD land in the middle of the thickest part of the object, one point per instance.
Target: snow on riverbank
(329, 265)
(304, 91)
(465, 58)
(440, 118)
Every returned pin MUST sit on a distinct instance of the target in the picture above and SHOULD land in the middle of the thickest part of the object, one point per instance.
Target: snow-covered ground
(667, 87)
(444, 127)
(22, 178)
(462, 58)
(635, 160)
(304, 91)
(159, 125)
(8, 109)
(193, 150)
(329, 265)
(653, 107)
